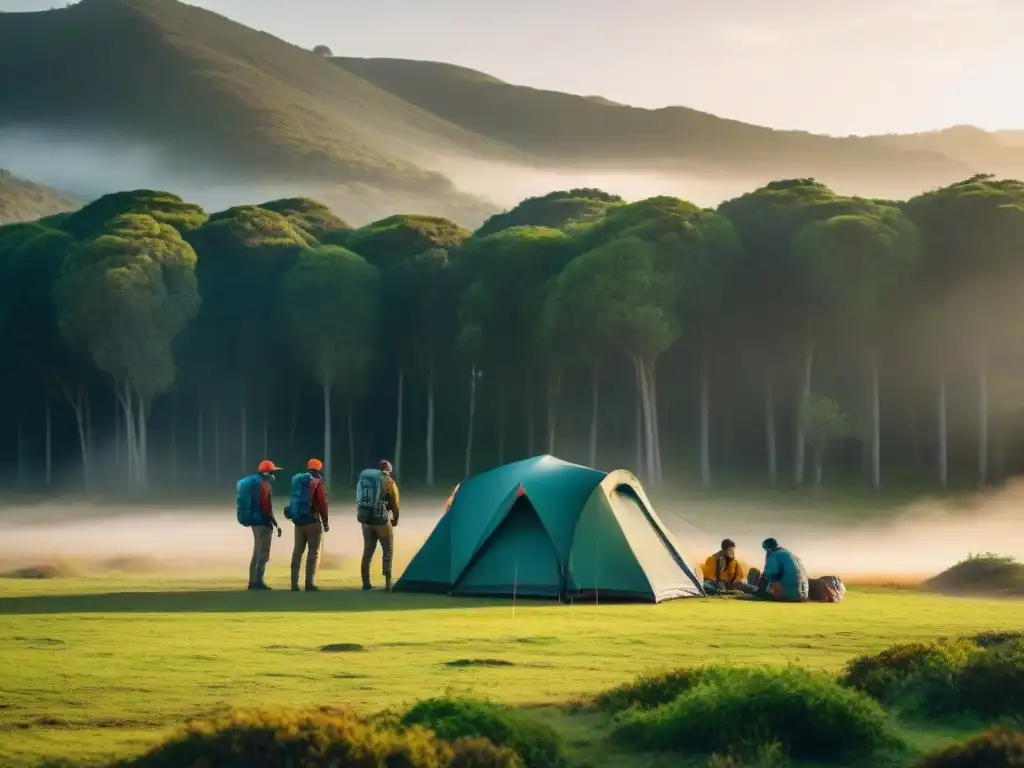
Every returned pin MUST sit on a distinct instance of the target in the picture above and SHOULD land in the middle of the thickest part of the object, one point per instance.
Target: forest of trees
(790, 334)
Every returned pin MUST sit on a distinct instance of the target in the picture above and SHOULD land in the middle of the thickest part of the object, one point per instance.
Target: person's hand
(279, 531)
(327, 528)
(394, 523)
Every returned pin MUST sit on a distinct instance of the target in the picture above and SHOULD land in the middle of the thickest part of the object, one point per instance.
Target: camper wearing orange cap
(307, 508)
(255, 510)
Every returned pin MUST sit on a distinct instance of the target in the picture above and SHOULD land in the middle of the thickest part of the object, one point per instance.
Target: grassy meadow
(104, 665)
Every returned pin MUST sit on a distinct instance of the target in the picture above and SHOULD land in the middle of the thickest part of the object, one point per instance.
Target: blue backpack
(370, 509)
(247, 499)
(298, 510)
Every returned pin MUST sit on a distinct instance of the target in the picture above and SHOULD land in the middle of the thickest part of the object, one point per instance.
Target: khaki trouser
(371, 535)
(307, 538)
(262, 536)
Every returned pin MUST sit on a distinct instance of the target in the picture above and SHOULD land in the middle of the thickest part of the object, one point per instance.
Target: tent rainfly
(546, 528)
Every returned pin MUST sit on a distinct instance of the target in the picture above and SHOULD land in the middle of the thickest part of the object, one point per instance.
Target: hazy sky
(834, 66)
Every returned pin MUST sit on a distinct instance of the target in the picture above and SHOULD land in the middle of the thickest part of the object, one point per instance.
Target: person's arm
(393, 502)
(320, 503)
(772, 568)
(708, 570)
(266, 506)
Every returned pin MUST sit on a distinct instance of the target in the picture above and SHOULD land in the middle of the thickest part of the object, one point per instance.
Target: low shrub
(985, 574)
(537, 744)
(324, 738)
(480, 753)
(808, 715)
(649, 691)
(992, 682)
(996, 638)
(916, 676)
(995, 748)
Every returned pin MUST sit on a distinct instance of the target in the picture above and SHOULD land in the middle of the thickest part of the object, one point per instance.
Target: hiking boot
(295, 587)
(367, 587)
(312, 588)
(387, 583)
(260, 587)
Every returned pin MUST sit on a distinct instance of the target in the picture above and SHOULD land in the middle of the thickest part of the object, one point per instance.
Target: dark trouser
(307, 538)
(262, 537)
(371, 535)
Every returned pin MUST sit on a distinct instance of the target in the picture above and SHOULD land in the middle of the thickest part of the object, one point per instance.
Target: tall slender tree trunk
(430, 425)
(243, 445)
(876, 427)
(554, 387)
(803, 395)
(174, 439)
(913, 432)
(638, 410)
(652, 399)
(266, 432)
(328, 464)
(595, 398)
(819, 465)
(501, 422)
(89, 443)
(143, 442)
(216, 446)
(530, 426)
(983, 422)
(49, 444)
(472, 419)
(397, 461)
(129, 436)
(943, 434)
(705, 419)
(771, 441)
(21, 454)
(650, 449)
(118, 409)
(351, 448)
(79, 405)
(200, 465)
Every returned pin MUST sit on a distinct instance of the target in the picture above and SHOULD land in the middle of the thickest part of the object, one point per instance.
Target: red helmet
(385, 466)
(267, 466)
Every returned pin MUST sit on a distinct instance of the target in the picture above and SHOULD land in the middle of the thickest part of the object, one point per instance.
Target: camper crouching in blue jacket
(784, 577)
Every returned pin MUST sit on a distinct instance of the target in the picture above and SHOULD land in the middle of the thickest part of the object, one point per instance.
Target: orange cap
(314, 465)
(267, 466)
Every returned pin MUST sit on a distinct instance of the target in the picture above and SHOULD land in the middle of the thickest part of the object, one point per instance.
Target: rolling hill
(22, 200)
(589, 131)
(115, 94)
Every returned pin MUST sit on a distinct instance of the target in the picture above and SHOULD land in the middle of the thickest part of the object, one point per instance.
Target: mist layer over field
(912, 543)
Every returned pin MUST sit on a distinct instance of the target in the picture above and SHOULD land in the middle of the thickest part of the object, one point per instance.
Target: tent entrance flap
(665, 569)
(518, 558)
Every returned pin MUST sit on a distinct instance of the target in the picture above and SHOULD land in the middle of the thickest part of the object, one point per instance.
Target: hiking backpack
(370, 507)
(298, 509)
(827, 589)
(247, 501)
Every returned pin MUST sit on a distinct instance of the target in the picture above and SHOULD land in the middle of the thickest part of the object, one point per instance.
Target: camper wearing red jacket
(307, 509)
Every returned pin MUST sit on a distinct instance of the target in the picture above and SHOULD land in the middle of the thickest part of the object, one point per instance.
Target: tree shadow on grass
(352, 600)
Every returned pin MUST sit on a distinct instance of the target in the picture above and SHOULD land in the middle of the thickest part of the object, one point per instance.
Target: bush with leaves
(649, 691)
(992, 682)
(921, 677)
(537, 744)
(995, 748)
(746, 710)
(323, 738)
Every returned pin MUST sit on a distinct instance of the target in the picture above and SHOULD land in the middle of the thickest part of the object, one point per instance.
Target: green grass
(109, 665)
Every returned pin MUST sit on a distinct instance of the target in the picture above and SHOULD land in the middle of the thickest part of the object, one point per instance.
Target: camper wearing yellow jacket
(722, 571)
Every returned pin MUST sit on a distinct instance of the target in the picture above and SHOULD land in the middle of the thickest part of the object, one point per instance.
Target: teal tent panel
(478, 507)
(518, 559)
(665, 568)
(558, 490)
(430, 569)
(601, 559)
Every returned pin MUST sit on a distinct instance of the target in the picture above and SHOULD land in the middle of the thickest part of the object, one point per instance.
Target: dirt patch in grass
(981, 575)
(459, 663)
(343, 648)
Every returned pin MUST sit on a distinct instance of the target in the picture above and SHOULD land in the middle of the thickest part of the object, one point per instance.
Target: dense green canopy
(656, 335)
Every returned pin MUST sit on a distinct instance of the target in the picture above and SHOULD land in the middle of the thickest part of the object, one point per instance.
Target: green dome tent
(547, 528)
